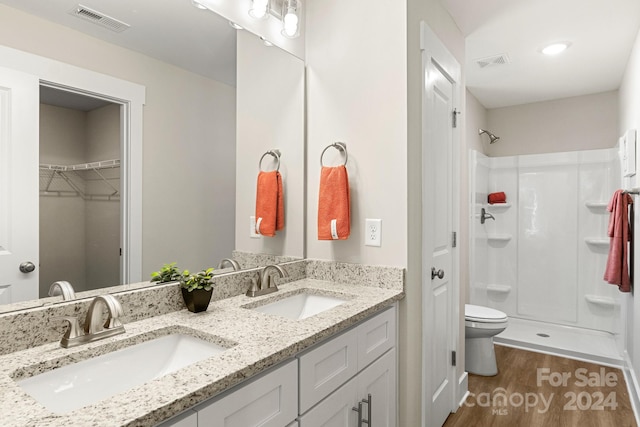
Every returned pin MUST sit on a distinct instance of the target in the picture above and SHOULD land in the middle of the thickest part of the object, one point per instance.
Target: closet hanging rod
(103, 164)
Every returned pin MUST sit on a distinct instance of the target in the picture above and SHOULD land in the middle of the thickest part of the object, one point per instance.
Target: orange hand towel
(269, 203)
(334, 216)
(617, 269)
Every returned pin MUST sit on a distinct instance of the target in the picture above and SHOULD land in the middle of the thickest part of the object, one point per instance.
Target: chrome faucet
(62, 288)
(93, 328)
(484, 215)
(261, 283)
(234, 264)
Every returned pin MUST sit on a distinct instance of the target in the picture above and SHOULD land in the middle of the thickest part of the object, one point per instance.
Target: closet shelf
(607, 302)
(596, 241)
(90, 181)
(499, 237)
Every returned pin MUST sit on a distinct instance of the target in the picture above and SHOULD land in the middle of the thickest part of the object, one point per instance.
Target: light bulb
(290, 24)
(291, 18)
(259, 8)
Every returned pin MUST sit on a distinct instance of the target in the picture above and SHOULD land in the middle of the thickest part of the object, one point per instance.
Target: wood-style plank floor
(535, 389)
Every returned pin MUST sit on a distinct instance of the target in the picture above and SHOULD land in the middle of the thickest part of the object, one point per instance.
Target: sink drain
(543, 335)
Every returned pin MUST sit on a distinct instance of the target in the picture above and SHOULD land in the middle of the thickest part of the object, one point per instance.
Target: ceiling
(172, 31)
(601, 33)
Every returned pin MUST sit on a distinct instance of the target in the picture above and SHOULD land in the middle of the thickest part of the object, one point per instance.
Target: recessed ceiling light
(555, 48)
(266, 42)
(236, 26)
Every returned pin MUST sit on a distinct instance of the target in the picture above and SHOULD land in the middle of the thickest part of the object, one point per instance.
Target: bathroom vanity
(271, 366)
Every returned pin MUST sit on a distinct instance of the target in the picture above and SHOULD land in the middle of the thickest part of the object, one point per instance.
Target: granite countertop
(258, 341)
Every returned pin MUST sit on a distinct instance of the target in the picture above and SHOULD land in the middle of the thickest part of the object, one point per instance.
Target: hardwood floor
(535, 389)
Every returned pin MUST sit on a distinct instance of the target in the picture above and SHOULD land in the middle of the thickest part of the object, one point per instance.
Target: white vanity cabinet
(346, 370)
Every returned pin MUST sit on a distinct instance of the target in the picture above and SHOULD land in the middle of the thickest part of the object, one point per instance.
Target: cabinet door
(327, 367)
(336, 410)
(186, 419)
(268, 401)
(376, 336)
(379, 380)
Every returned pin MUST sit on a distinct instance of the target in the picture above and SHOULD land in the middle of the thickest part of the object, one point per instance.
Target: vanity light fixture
(197, 4)
(259, 9)
(235, 26)
(291, 18)
(555, 48)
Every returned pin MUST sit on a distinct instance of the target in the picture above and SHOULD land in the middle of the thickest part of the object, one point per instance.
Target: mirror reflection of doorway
(80, 188)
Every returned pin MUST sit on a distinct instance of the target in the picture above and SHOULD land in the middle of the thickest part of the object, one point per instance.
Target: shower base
(566, 341)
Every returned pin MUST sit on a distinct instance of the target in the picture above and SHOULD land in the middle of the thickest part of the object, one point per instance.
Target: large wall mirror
(217, 99)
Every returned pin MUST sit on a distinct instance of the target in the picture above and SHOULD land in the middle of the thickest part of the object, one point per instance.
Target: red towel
(617, 270)
(269, 203)
(334, 216)
(497, 198)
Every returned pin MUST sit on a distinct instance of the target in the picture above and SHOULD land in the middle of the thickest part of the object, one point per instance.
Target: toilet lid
(478, 313)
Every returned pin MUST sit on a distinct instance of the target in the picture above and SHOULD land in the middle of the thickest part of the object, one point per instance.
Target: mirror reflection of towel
(269, 203)
(334, 216)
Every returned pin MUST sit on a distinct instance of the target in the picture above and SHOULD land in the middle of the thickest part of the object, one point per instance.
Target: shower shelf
(596, 204)
(498, 205)
(502, 289)
(595, 241)
(499, 237)
(601, 301)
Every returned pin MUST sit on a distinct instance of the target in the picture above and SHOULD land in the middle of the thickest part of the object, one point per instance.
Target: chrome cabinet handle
(436, 273)
(27, 267)
(359, 411)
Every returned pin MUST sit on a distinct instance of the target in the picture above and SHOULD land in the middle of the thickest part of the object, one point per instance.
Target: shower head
(492, 137)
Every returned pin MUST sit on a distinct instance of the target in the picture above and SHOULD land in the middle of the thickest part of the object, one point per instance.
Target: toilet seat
(479, 314)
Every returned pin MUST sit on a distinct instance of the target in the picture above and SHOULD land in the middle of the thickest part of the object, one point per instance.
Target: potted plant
(196, 288)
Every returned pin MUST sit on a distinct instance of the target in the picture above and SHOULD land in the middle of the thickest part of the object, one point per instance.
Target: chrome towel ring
(274, 153)
(340, 146)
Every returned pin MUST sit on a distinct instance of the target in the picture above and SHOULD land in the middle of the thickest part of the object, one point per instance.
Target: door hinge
(454, 239)
(454, 120)
(453, 358)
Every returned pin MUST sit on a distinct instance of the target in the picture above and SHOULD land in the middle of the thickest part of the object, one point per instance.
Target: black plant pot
(197, 300)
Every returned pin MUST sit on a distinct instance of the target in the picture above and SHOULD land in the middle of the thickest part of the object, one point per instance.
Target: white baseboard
(632, 385)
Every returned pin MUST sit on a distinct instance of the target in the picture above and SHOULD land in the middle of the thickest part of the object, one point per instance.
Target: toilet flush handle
(437, 273)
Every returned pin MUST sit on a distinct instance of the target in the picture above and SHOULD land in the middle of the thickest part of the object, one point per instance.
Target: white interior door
(18, 186)
(438, 275)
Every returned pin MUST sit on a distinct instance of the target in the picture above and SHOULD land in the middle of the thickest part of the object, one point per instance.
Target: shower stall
(540, 257)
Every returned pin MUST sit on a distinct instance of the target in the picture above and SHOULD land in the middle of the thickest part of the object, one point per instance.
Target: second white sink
(300, 306)
(89, 381)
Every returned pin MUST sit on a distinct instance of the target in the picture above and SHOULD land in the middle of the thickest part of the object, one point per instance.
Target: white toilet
(480, 326)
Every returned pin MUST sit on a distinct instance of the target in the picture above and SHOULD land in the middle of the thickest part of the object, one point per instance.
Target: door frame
(132, 98)
(434, 51)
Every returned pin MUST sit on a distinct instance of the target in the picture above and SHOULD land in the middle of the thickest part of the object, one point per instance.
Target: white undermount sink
(300, 306)
(89, 381)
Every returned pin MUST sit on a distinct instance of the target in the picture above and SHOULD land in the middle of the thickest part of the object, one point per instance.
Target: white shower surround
(543, 257)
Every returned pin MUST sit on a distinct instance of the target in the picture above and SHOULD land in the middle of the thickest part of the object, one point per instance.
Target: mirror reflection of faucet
(484, 215)
(231, 263)
(63, 288)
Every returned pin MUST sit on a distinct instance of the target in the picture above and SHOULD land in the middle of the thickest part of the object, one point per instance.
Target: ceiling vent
(99, 18)
(493, 61)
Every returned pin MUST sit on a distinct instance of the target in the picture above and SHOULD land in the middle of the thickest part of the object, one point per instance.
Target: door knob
(436, 273)
(27, 267)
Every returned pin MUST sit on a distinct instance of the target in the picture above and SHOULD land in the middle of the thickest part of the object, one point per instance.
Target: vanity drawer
(327, 367)
(268, 401)
(376, 336)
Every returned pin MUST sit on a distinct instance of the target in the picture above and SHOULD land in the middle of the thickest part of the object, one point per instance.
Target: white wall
(189, 141)
(270, 114)
(630, 119)
(585, 122)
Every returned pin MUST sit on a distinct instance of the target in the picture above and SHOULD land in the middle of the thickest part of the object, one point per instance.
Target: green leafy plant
(171, 273)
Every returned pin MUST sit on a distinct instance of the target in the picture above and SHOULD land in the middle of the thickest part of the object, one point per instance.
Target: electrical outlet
(373, 232)
(252, 228)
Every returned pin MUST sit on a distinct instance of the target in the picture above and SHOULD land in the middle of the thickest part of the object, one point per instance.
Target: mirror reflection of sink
(300, 306)
(89, 381)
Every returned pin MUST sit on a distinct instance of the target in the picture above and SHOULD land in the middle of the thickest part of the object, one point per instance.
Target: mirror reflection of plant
(168, 273)
(171, 273)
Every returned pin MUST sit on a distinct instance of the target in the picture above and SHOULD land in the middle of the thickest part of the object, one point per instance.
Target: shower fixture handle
(437, 273)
